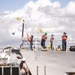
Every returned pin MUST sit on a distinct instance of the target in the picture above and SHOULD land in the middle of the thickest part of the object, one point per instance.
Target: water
(56, 43)
(26, 45)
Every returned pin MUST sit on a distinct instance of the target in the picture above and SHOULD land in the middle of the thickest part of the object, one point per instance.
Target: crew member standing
(30, 39)
(31, 42)
(64, 41)
(51, 41)
(44, 37)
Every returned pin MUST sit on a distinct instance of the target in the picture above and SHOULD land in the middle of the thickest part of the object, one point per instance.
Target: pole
(22, 34)
(44, 70)
(23, 31)
(37, 71)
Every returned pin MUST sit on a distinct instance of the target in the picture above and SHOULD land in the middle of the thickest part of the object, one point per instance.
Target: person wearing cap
(31, 42)
(23, 67)
(43, 39)
(30, 39)
(64, 41)
(51, 41)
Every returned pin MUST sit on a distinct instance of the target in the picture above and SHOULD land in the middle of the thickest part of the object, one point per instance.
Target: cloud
(48, 16)
(70, 9)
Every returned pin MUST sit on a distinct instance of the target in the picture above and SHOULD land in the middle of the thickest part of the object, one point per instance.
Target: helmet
(32, 36)
(52, 35)
(45, 33)
(64, 33)
(23, 59)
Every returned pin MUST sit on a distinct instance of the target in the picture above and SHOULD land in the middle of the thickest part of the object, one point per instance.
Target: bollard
(44, 70)
(37, 71)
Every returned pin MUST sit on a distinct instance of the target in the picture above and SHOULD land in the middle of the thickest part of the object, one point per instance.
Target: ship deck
(54, 62)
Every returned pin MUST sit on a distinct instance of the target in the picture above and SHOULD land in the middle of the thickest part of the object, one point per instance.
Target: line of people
(44, 38)
(64, 41)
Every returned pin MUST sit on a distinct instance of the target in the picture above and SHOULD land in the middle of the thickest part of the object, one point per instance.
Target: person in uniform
(64, 41)
(43, 39)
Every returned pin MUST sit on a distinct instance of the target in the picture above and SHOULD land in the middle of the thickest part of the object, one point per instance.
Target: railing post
(37, 70)
(44, 70)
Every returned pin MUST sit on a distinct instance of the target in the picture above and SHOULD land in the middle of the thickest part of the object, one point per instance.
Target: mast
(23, 30)
(22, 35)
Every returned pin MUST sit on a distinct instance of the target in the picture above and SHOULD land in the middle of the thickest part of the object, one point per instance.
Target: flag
(18, 18)
(40, 30)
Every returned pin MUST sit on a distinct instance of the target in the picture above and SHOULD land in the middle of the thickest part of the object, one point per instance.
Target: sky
(51, 16)
(13, 5)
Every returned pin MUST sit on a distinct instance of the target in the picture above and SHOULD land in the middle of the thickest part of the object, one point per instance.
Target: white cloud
(43, 14)
(56, 4)
(70, 8)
